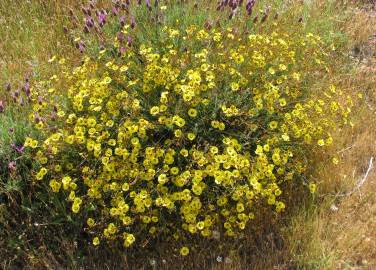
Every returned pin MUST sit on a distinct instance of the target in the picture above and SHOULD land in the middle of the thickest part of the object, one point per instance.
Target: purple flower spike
(123, 50)
(130, 41)
(13, 95)
(115, 11)
(249, 6)
(1, 106)
(148, 4)
(233, 4)
(156, 3)
(266, 14)
(133, 22)
(53, 116)
(101, 17)
(120, 37)
(26, 89)
(89, 22)
(22, 101)
(81, 46)
(18, 149)
(122, 20)
(84, 11)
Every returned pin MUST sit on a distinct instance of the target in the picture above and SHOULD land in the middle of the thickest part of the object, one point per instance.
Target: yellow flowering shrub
(184, 137)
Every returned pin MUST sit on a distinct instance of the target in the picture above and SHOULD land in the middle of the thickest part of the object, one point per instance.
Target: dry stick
(361, 181)
(345, 149)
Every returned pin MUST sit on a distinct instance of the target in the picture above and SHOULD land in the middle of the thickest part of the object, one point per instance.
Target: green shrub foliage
(184, 136)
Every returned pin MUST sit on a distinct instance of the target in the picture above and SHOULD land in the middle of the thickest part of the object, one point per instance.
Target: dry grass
(340, 233)
(31, 32)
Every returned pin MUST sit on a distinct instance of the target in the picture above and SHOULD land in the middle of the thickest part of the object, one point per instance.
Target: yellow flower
(282, 102)
(192, 112)
(321, 142)
(96, 241)
(335, 160)
(191, 136)
(125, 187)
(154, 110)
(34, 144)
(282, 67)
(234, 86)
(75, 208)
(285, 137)
(112, 142)
(273, 124)
(184, 251)
(312, 187)
(178, 133)
(90, 222)
(184, 152)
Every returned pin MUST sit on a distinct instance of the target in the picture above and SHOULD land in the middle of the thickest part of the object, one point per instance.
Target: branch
(361, 181)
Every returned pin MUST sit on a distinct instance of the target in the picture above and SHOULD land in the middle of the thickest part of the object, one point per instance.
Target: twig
(361, 181)
(345, 149)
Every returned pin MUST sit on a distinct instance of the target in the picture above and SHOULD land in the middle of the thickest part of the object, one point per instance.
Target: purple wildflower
(266, 14)
(120, 37)
(18, 149)
(1, 106)
(148, 4)
(133, 22)
(122, 20)
(249, 6)
(130, 41)
(101, 15)
(22, 101)
(89, 22)
(115, 11)
(122, 50)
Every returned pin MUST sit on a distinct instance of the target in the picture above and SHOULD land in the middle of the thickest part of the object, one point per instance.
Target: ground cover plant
(174, 131)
